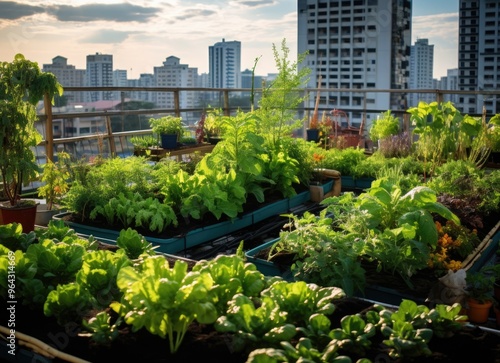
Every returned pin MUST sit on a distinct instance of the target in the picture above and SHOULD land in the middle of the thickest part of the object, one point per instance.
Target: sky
(141, 34)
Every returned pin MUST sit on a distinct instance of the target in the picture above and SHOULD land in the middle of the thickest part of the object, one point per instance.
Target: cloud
(12, 10)
(193, 13)
(443, 26)
(252, 3)
(104, 36)
(123, 12)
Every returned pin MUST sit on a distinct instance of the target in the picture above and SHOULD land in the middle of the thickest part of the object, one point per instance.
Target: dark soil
(202, 343)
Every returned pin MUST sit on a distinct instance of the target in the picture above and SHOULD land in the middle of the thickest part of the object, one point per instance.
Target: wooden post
(227, 111)
(177, 104)
(112, 146)
(49, 133)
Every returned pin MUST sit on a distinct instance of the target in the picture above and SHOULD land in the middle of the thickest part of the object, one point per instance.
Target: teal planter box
(200, 235)
(270, 210)
(268, 268)
(347, 181)
(363, 183)
(299, 199)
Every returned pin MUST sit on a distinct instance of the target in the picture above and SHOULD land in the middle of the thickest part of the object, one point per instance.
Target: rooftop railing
(102, 137)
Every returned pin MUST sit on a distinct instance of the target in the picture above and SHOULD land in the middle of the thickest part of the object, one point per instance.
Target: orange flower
(318, 157)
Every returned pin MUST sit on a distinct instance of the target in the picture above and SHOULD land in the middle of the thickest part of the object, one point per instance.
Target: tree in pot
(169, 128)
(22, 85)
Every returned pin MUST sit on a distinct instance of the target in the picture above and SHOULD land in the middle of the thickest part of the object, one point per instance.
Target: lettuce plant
(164, 300)
(231, 275)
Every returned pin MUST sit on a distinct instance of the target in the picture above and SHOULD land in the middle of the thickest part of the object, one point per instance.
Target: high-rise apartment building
(99, 74)
(362, 44)
(175, 74)
(421, 70)
(479, 55)
(224, 63)
(68, 76)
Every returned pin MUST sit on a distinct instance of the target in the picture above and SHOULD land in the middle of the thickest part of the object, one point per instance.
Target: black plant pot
(169, 141)
(312, 135)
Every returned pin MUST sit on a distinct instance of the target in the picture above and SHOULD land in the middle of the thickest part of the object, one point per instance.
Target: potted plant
(55, 184)
(22, 85)
(142, 144)
(169, 128)
(212, 125)
(479, 290)
(383, 127)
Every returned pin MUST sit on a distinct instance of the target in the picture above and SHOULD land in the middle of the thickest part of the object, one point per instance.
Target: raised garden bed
(390, 289)
(175, 240)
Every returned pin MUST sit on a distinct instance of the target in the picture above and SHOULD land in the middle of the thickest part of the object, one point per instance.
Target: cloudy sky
(141, 34)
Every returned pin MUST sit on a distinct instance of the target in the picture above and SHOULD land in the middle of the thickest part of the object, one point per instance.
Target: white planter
(44, 216)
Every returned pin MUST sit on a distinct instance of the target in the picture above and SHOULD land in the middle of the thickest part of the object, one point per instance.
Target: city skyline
(136, 33)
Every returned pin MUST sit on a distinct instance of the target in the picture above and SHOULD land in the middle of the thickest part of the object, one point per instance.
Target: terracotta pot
(478, 312)
(24, 215)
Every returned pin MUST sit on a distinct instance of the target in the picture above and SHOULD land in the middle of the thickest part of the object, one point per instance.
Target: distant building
(145, 80)
(119, 80)
(361, 44)
(224, 63)
(421, 68)
(450, 83)
(175, 74)
(479, 55)
(68, 76)
(99, 74)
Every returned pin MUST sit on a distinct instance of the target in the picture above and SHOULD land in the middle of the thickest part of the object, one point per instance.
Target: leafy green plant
(55, 179)
(214, 191)
(445, 134)
(143, 141)
(321, 255)
(277, 107)
(13, 238)
(480, 286)
(214, 122)
(253, 324)
(22, 85)
(166, 125)
(354, 334)
(344, 160)
(67, 303)
(300, 300)
(164, 300)
(132, 210)
(231, 275)
(100, 330)
(384, 126)
(133, 244)
(242, 151)
(303, 351)
(98, 276)
(108, 180)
